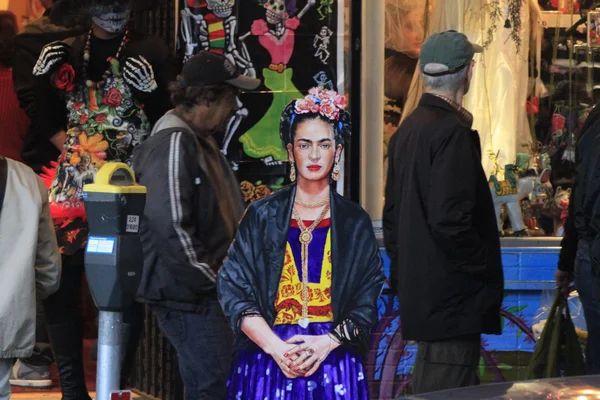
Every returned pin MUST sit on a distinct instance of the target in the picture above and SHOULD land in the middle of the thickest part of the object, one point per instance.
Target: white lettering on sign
(133, 224)
(101, 245)
(92, 245)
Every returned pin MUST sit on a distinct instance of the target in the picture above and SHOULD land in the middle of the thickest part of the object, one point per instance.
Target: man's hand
(53, 54)
(139, 74)
(563, 279)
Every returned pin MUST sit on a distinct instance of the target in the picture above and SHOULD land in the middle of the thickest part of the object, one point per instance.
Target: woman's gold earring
(293, 173)
(335, 175)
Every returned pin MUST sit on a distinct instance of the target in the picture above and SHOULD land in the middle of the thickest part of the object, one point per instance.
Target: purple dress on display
(256, 376)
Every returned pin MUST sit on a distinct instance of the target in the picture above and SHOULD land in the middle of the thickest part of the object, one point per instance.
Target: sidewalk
(51, 395)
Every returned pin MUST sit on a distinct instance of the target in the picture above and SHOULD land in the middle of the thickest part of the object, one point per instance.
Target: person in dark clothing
(578, 259)
(37, 151)
(192, 210)
(97, 96)
(439, 226)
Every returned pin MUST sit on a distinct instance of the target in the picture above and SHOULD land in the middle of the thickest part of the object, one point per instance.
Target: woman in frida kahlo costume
(277, 34)
(98, 95)
(302, 278)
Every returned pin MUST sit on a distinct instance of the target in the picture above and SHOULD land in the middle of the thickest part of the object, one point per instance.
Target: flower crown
(328, 103)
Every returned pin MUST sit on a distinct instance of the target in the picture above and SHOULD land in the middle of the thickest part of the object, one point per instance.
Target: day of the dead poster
(290, 45)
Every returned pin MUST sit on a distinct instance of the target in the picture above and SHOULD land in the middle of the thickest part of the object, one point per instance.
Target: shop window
(532, 89)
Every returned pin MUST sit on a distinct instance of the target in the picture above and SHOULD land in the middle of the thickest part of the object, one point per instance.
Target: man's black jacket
(440, 229)
(577, 225)
(183, 232)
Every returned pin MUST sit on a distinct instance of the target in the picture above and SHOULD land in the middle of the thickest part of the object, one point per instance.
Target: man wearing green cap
(439, 224)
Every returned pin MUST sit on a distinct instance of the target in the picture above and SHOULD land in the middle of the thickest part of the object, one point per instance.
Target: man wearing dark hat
(192, 211)
(97, 97)
(439, 224)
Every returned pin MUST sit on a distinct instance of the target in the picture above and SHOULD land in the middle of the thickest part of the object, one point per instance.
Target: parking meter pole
(109, 354)
(114, 205)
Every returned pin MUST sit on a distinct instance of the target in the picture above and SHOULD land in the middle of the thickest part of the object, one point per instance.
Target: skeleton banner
(290, 45)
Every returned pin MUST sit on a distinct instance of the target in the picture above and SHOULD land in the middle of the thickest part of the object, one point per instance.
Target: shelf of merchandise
(555, 19)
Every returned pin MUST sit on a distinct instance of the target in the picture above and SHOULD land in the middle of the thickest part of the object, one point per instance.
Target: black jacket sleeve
(569, 243)
(238, 276)
(369, 281)
(452, 200)
(170, 178)
(23, 80)
(390, 222)
(51, 109)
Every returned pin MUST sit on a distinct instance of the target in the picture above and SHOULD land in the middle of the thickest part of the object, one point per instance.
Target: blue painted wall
(527, 273)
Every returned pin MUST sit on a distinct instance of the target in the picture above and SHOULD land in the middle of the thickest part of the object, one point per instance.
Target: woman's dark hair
(342, 127)
(8, 31)
(187, 97)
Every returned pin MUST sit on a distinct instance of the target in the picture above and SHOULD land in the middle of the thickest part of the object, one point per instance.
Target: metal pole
(109, 354)
(371, 132)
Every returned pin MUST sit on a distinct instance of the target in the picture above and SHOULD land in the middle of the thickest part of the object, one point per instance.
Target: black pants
(446, 364)
(42, 353)
(65, 327)
(204, 344)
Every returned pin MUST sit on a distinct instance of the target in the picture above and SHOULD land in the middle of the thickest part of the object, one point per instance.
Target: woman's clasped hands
(302, 355)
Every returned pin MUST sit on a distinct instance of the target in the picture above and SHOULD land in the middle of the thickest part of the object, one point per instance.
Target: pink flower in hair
(305, 105)
(341, 102)
(328, 110)
(327, 95)
(314, 91)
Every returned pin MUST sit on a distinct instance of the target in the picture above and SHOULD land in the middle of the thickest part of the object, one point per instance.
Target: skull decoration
(112, 16)
(221, 8)
(276, 11)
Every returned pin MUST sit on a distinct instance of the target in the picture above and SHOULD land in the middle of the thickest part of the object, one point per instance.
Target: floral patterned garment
(288, 302)
(103, 125)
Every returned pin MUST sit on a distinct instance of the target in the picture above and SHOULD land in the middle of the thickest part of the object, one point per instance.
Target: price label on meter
(133, 224)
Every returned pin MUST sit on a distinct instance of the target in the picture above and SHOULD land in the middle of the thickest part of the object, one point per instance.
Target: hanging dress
(256, 376)
(263, 139)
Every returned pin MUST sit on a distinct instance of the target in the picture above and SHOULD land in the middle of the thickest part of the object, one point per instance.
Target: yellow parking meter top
(115, 177)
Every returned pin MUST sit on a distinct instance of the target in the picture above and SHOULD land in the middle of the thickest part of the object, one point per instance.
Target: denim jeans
(204, 344)
(5, 369)
(588, 286)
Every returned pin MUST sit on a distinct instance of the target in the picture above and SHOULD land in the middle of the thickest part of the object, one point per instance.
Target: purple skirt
(256, 376)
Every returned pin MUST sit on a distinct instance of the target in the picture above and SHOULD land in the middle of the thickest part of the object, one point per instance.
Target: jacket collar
(432, 100)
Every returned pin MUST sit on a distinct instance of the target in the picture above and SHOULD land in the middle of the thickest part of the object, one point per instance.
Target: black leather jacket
(251, 273)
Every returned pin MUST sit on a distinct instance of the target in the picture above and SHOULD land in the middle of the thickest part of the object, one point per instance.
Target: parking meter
(114, 206)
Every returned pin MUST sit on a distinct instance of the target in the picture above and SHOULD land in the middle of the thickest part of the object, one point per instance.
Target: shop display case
(333, 47)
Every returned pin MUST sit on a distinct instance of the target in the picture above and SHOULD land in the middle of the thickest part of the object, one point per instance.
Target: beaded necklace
(87, 56)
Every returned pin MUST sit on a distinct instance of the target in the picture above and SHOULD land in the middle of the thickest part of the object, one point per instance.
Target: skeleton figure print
(324, 8)
(99, 93)
(321, 43)
(276, 34)
(323, 81)
(210, 25)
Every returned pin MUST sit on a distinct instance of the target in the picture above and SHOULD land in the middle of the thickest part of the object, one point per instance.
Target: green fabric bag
(558, 346)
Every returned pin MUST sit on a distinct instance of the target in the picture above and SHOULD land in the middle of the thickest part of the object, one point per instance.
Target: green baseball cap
(451, 49)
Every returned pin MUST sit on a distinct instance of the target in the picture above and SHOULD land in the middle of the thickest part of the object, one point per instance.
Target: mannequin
(500, 75)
